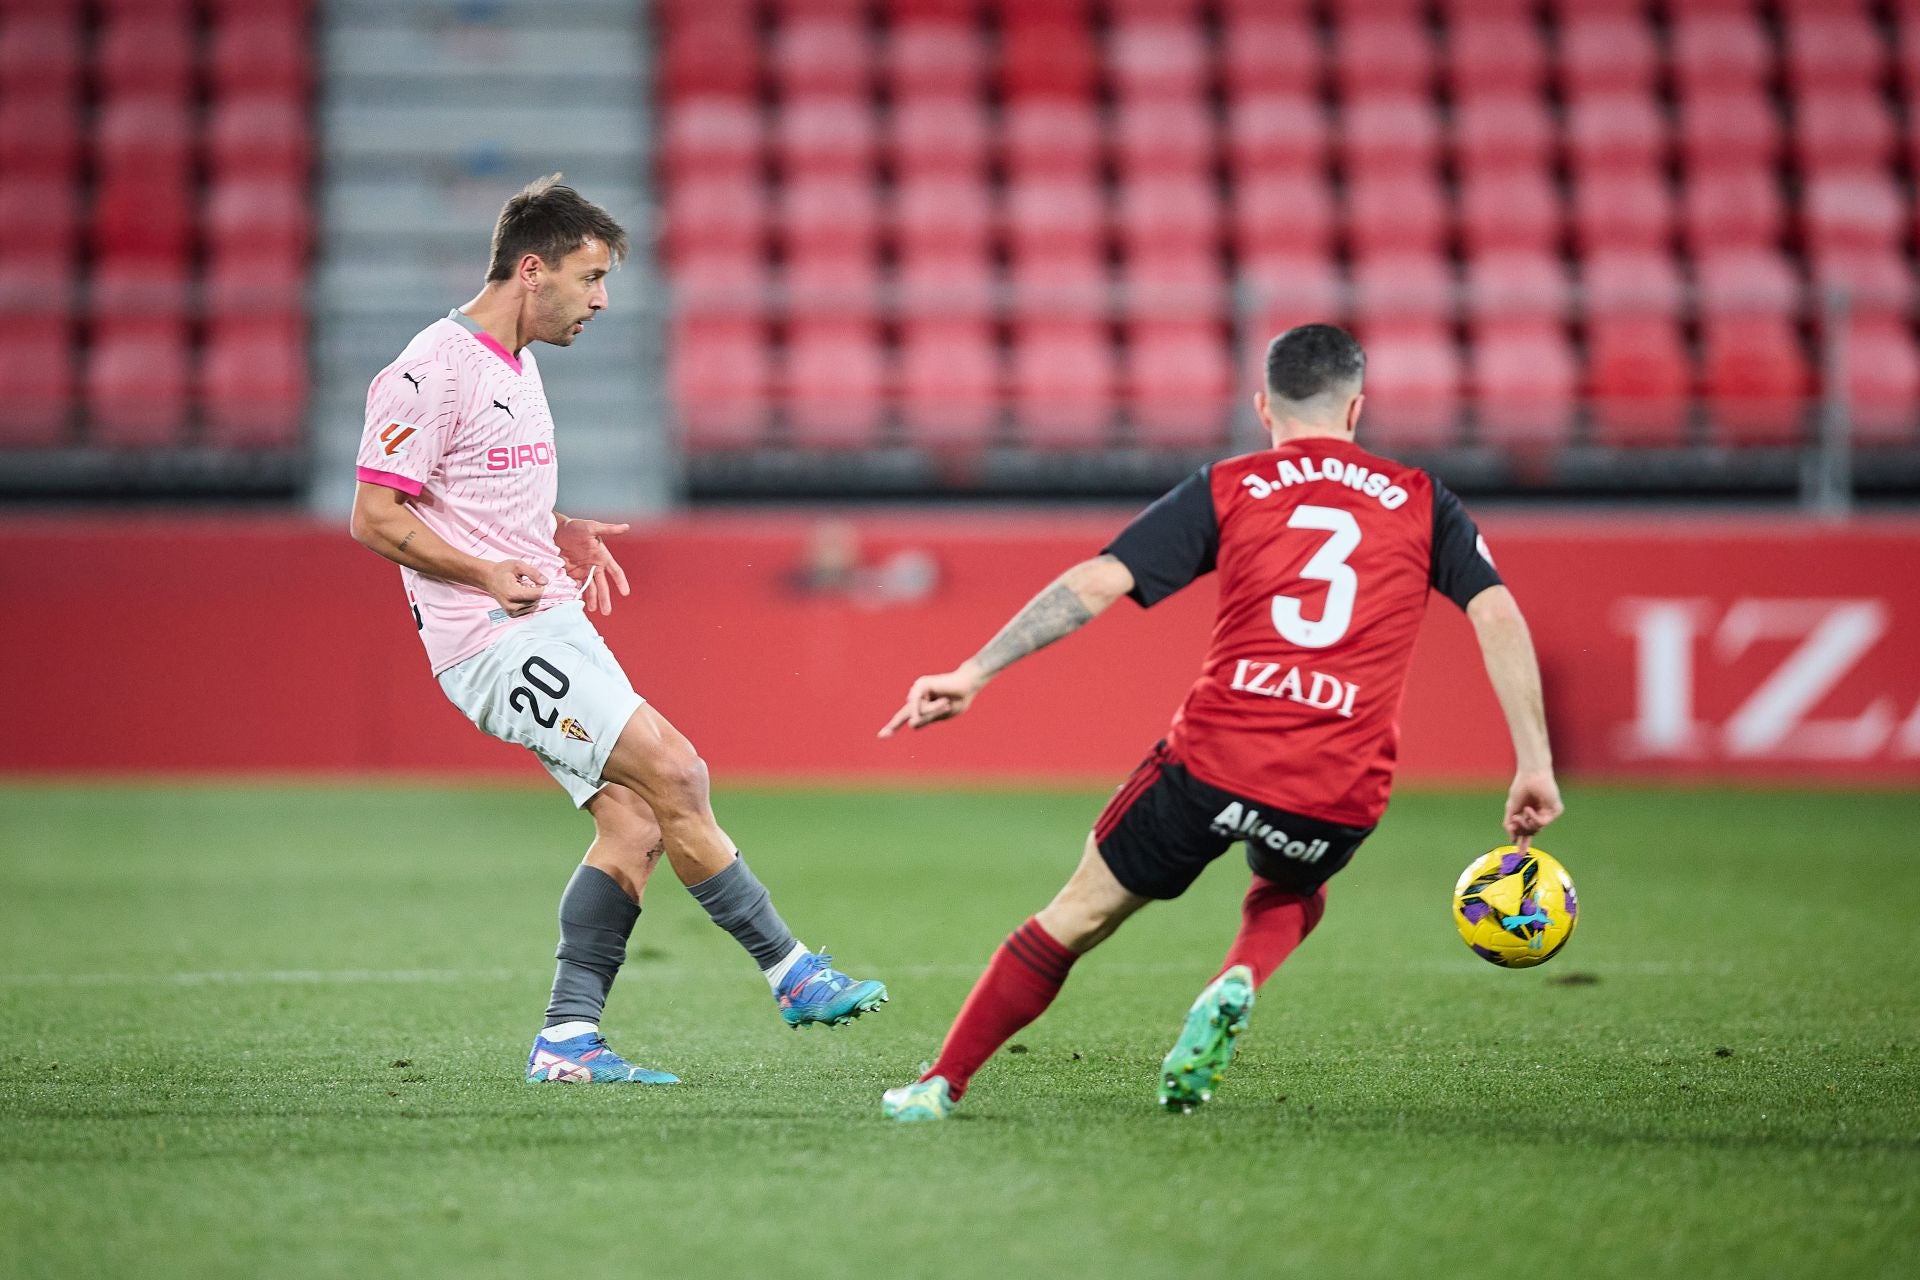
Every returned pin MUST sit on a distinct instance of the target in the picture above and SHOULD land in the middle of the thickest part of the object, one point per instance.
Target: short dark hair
(550, 219)
(1310, 359)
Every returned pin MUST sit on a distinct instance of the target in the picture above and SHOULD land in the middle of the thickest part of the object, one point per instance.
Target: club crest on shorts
(575, 730)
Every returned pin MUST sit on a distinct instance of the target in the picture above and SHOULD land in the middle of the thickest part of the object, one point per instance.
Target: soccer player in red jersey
(1287, 741)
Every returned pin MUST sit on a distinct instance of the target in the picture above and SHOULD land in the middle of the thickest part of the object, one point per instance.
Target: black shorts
(1163, 826)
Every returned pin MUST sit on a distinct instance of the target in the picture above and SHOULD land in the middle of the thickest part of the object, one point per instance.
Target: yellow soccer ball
(1515, 909)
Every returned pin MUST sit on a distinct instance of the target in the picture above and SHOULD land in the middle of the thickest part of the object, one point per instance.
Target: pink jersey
(461, 425)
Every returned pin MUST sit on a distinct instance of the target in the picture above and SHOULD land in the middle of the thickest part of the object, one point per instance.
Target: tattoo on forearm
(1054, 613)
(404, 541)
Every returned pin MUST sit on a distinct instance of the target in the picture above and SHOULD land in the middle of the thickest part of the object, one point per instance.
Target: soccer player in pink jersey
(457, 481)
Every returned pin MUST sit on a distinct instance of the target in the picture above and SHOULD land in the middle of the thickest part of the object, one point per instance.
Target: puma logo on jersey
(513, 457)
(1323, 692)
(1244, 822)
(503, 408)
(417, 382)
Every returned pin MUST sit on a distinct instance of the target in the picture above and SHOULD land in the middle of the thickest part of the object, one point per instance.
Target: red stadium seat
(1052, 59)
(1882, 386)
(39, 400)
(1732, 208)
(1874, 282)
(1413, 386)
(264, 55)
(1756, 379)
(1046, 217)
(1638, 377)
(1615, 131)
(711, 136)
(713, 53)
(1623, 209)
(946, 287)
(146, 55)
(139, 287)
(1717, 53)
(722, 286)
(137, 217)
(949, 385)
(934, 59)
(1291, 289)
(832, 288)
(1907, 55)
(1156, 60)
(1179, 385)
(1053, 138)
(1171, 135)
(835, 381)
(39, 217)
(227, 10)
(1062, 382)
(1178, 213)
(1382, 56)
(942, 214)
(1283, 213)
(260, 213)
(1268, 132)
(248, 286)
(1729, 130)
(1177, 286)
(1264, 54)
(144, 137)
(727, 214)
(828, 215)
(1524, 286)
(821, 56)
(1832, 51)
(938, 136)
(1631, 284)
(1737, 283)
(1503, 133)
(1398, 212)
(137, 387)
(1389, 134)
(1061, 288)
(37, 291)
(1843, 130)
(1498, 57)
(1524, 386)
(1394, 289)
(258, 136)
(1187, 11)
(39, 137)
(822, 136)
(253, 390)
(1606, 54)
(721, 377)
(786, 11)
(1519, 209)
(1858, 210)
(45, 49)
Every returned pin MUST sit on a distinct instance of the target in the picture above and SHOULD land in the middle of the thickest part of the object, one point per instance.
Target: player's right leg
(657, 762)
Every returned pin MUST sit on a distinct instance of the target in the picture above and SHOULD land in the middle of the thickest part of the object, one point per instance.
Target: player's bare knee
(677, 783)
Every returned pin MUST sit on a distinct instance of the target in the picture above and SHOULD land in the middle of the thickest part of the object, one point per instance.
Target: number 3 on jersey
(1328, 565)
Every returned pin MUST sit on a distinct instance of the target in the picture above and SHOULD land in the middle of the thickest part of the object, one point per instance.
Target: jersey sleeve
(1462, 565)
(411, 412)
(1172, 542)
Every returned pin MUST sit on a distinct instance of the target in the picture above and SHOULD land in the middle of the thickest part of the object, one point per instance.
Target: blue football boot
(586, 1059)
(814, 991)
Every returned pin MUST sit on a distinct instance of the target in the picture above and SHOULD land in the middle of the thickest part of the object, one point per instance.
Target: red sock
(1021, 980)
(1273, 921)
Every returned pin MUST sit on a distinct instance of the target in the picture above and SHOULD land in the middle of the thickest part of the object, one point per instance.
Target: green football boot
(1192, 1067)
(921, 1100)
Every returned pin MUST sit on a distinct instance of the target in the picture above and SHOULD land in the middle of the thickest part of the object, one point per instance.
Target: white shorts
(552, 686)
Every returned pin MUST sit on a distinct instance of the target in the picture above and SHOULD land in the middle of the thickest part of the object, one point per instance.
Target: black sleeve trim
(1172, 542)
(1461, 569)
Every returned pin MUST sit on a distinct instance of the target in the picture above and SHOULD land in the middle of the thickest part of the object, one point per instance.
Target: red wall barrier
(1672, 648)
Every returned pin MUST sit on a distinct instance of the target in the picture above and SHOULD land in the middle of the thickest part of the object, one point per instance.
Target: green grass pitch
(256, 1031)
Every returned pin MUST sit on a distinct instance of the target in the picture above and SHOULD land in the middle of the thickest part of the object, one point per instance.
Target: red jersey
(1326, 553)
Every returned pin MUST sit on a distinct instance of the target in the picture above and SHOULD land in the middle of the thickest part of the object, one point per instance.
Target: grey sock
(596, 918)
(741, 905)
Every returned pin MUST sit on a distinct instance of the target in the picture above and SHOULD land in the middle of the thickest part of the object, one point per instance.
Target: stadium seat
(1293, 288)
(1285, 213)
(263, 54)
(946, 285)
(1398, 212)
(1060, 287)
(1631, 285)
(258, 137)
(1857, 210)
(942, 215)
(1171, 135)
(1516, 209)
(37, 290)
(1497, 57)
(1842, 131)
(1517, 286)
(721, 378)
(1874, 282)
(1735, 283)
(1385, 56)
(1615, 131)
(949, 385)
(1732, 208)
(722, 285)
(1187, 11)
(1607, 53)
(1389, 134)
(154, 217)
(1062, 381)
(1638, 377)
(823, 57)
(1497, 133)
(1622, 208)
(1728, 130)
(834, 377)
(933, 59)
(146, 55)
(143, 137)
(246, 285)
(1267, 132)
(39, 217)
(1175, 285)
(261, 213)
(714, 53)
(1831, 51)
(142, 287)
(1051, 138)
(938, 136)
(1180, 385)
(1156, 60)
(44, 49)
(1168, 213)
(39, 137)
(828, 215)
(725, 214)
(711, 136)
(1756, 379)
(1882, 386)
(1413, 386)
(823, 136)
(136, 387)
(1393, 288)
(1047, 59)
(1524, 386)
(253, 390)
(831, 287)
(1051, 216)
(1263, 54)
(1720, 52)
(39, 401)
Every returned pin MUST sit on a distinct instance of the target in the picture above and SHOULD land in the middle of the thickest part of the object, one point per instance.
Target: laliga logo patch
(396, 437)
(573, 729)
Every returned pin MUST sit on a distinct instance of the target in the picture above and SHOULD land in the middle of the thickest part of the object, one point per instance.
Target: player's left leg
(1021, 981)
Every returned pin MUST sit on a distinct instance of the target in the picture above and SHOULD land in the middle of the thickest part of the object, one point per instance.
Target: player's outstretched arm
(1507, 647)
(384, 523)
(1070, 602)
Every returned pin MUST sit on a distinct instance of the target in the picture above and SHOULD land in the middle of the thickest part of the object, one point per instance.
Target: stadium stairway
(433, 113)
